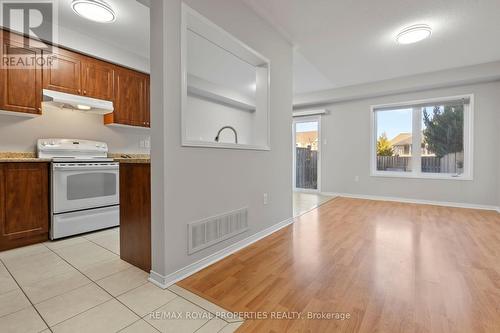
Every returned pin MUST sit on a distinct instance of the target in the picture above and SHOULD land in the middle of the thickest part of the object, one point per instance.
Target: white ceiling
(353, 42)
(130, 31)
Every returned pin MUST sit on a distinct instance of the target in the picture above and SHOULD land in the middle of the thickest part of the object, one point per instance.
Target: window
(423, 139)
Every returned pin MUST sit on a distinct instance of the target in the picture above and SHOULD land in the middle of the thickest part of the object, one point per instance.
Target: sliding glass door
(306, 153)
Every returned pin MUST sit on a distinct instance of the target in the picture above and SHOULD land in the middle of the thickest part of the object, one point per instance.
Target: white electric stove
(85, 186)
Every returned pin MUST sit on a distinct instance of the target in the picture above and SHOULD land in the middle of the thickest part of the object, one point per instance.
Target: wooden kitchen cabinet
(64, 72)
(98, 79)
(77, 74)
(135, 214)
(73, 73)
(20, 89)
(24, 204)
(131, 101)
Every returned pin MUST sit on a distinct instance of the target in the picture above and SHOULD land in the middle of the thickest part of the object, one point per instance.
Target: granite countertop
(131, 158)
(31, 157)
(21, 157)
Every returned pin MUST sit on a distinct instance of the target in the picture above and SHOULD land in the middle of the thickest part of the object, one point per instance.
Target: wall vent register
(213, 230)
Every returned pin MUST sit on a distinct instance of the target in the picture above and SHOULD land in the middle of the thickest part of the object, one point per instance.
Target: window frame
(416, 139)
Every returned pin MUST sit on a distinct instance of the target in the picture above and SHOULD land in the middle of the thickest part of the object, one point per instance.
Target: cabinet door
(135, 214)
(98, 79)
(20, 89)
(26, 204)
(147, 111)
(130, 98)
(63, 73)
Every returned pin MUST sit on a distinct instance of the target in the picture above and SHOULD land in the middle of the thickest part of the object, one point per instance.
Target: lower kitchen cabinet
(24, 204)
(135, 214)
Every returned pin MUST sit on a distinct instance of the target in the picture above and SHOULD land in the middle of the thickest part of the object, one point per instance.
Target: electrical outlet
(145, 144)
(266, 198)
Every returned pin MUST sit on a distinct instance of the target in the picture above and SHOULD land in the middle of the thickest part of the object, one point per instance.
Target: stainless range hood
(76, 102)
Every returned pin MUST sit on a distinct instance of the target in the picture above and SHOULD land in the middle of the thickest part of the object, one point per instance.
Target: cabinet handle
(79, 91)
(85, 92)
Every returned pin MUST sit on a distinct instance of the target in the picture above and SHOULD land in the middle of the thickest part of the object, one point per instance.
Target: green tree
(384, 147)
(444, 131)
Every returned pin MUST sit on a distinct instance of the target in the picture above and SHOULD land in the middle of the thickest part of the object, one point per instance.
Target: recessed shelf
(199, 87)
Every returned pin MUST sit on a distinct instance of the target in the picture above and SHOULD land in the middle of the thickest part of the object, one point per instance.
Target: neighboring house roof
(402, 139)
(306, 138)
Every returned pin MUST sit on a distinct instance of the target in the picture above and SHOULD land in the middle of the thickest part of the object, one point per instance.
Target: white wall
(194, 183)
(19, 134)
(205, 118)
(103, 50)
(347, 152)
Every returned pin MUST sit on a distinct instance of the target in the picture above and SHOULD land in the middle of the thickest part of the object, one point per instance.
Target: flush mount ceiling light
(414, 33)
(94, 10)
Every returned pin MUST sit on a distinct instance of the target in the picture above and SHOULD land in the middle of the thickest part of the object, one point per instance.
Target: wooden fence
(430, 164)
(306, 172)
(393, 163)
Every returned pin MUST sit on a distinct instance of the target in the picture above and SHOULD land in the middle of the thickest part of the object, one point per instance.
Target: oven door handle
(82, 167)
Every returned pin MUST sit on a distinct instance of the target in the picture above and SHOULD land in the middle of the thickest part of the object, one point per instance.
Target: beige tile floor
(304, 202)
(80, 284)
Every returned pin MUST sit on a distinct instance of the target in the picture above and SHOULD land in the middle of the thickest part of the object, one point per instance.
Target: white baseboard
(415, 201)
(168, 280)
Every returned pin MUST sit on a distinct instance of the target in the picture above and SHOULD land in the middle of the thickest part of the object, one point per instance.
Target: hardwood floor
(393, 267)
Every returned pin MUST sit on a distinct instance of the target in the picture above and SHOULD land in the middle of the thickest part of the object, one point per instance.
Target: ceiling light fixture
(94, 10)
(414, 33)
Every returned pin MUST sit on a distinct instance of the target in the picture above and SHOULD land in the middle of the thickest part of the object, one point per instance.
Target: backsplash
(19, 134)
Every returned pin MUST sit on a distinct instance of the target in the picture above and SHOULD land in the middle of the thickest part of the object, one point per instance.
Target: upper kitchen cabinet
(20, 88)
(64, 72)
(131, 100)
(98, 79)
(72, 73)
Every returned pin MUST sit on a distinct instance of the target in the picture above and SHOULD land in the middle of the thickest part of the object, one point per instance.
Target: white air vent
(210, 231)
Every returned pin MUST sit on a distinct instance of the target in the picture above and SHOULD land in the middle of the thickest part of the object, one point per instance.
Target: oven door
(78, 186)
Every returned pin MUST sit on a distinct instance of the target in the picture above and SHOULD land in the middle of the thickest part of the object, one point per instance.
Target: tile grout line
(210, 321)
(25, 295)
(112, 297)
(91, 282)
(200, 306)
(89, 240)
(70, 290)
(140, 319)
